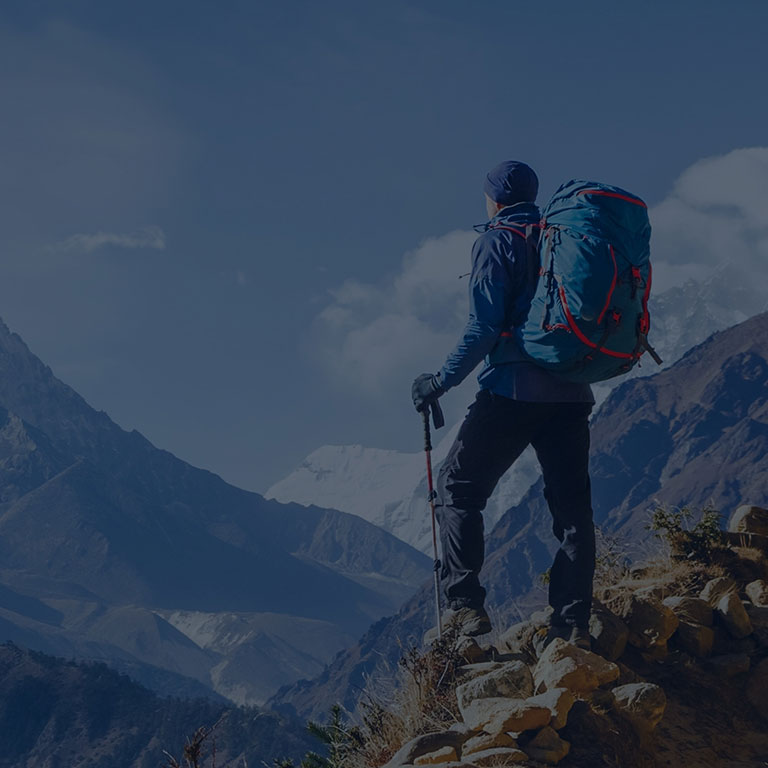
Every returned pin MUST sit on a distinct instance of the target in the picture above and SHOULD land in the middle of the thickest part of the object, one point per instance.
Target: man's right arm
(489, 293)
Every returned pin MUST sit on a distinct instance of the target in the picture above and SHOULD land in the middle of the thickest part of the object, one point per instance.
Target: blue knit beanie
(512, 182)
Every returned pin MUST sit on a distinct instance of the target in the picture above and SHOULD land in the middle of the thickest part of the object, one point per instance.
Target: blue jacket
(501, 287)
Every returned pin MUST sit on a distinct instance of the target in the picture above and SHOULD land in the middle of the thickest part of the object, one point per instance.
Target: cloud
(373, 336)
(150, 237)
(716, 215)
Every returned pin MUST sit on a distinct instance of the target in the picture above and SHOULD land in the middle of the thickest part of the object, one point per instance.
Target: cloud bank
(716, 215)
(374, 336)
(150, 237)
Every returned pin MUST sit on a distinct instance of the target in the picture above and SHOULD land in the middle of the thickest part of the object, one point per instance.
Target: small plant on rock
(342, 742)
(688, 540)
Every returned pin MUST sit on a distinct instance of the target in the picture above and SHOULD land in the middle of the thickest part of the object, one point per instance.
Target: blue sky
(188, 187)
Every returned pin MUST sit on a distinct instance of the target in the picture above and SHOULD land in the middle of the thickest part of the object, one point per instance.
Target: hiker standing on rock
(519, 404)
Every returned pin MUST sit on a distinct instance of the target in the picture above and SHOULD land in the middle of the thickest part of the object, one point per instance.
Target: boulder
(499, 715)
(483, 741)
(470, 671)
(542, 617)
(512, 680)
(730, 665)
(462, 729)
(609, 633)
(547, 747)
(563, 665)
(726, 643)
(643, 704)
(452, 764)
(628, 675)
(657, 652)
(691, 609)
(559, 702)
(757, 688)
(749, 519)
(716, 588)
(519, 638)
(750, 540)
(734, 616)
(601, 700)
(650, 622)
(695, 639)
(444, 755)
(424, 745)
(757, 592)
(497, 756)
(759, 618)
(469, 649)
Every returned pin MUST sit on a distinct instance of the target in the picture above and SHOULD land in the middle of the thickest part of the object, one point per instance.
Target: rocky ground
(677, 675)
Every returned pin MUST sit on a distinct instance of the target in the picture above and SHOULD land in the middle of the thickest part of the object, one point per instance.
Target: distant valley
(114, 550)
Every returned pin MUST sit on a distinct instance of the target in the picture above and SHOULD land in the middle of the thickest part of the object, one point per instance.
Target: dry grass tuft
(422, 699)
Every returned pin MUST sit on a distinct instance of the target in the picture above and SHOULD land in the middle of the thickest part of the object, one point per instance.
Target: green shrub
(688, 540)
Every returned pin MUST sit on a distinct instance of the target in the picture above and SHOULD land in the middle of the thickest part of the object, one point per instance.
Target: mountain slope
(95, 519)
(56, 713)
(696, 433)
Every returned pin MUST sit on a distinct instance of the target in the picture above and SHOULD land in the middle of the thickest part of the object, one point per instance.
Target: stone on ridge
(498, 715)
(691, 609)
(563, 665)
(559, 702)
(511, 680)
(643, 704)
(547, 747)
(734, 615)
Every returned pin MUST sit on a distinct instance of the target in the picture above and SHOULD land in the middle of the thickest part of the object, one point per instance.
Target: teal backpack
(589, 318)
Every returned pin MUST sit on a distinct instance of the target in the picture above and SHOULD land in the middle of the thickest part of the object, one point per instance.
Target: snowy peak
(350, 478)
(389, 488)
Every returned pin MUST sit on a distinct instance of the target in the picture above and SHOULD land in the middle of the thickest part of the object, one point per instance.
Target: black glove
(425, 390)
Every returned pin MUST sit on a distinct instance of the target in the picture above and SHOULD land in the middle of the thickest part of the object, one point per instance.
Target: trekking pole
(437, 417)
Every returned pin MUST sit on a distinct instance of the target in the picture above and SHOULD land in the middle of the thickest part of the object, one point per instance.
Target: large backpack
(589, 318)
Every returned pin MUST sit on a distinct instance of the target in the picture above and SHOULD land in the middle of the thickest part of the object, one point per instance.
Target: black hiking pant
(495, 432)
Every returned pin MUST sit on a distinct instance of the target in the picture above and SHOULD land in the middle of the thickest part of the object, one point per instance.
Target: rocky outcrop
(563, 665)
(521, 705)
(642, 703)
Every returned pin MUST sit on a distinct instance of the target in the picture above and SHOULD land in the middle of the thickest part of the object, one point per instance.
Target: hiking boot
(470, 622)
(546, 635)
(580, 638)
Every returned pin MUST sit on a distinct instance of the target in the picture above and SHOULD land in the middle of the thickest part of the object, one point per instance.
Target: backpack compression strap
(532, 235)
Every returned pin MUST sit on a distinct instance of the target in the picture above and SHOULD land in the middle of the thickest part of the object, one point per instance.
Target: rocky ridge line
(521, 707)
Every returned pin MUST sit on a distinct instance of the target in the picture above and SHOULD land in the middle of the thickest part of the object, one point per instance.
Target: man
(519, 404)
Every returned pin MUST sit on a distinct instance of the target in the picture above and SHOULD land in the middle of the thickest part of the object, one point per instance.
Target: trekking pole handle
(427, 433)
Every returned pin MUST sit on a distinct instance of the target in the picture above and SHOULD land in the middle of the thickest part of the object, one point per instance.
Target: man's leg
(562, 446)
(494, 433)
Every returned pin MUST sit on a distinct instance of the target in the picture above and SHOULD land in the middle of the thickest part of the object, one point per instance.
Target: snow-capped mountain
(388, 488)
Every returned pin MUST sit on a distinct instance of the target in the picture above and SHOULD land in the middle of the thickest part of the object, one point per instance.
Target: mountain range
(112, 549)
(55, 713)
